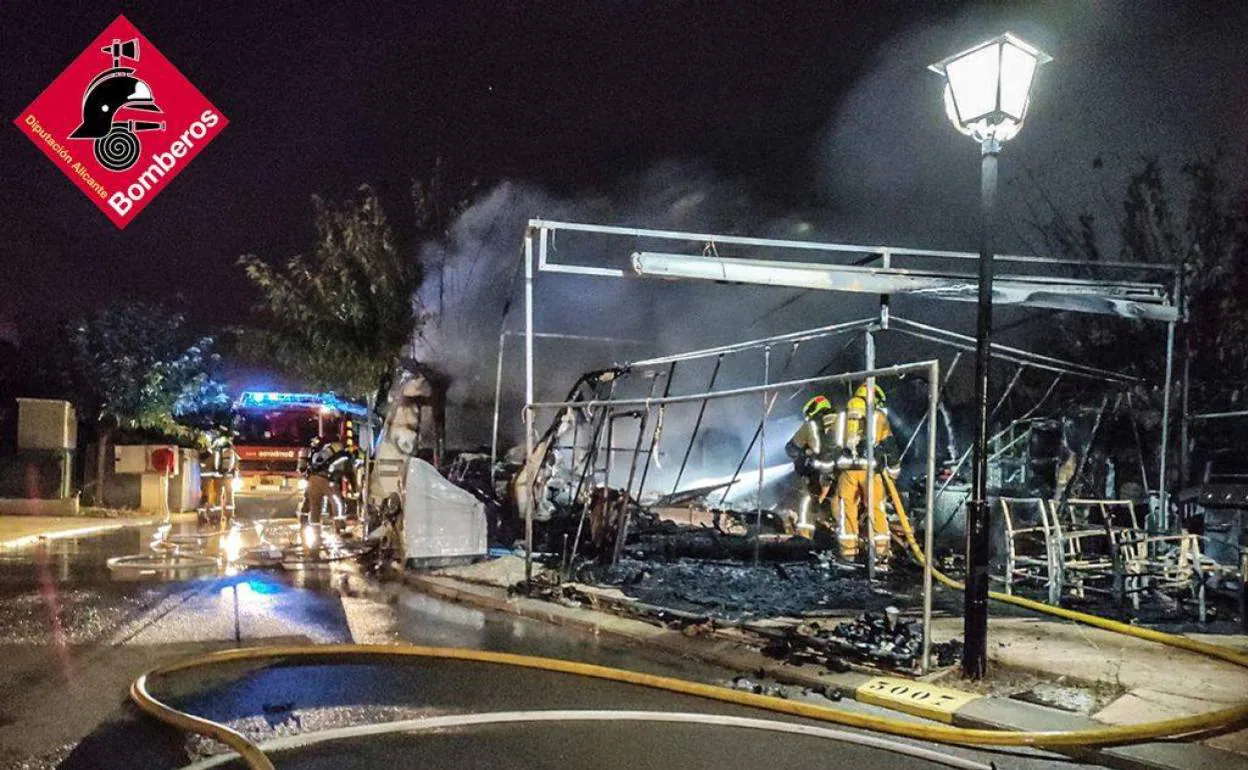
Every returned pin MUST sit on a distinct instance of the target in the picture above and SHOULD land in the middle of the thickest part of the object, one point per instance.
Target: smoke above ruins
(888, 170)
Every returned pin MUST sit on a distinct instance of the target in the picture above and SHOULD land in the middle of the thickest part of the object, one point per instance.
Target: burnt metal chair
(1032, 545)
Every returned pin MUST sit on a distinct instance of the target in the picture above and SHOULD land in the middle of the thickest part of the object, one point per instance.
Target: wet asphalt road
(73, 635)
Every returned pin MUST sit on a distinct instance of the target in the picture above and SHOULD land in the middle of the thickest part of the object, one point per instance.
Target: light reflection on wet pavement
(72, 629)
(74, 634)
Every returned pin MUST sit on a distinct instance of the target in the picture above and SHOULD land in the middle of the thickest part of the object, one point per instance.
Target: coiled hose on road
(1099, 736)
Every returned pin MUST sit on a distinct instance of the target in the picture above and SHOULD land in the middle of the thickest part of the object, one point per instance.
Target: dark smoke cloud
(478, 276)
(1128, 79)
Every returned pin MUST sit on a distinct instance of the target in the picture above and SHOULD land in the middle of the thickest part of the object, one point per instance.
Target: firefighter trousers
(851, 500)
(810, 498)
(321, 499)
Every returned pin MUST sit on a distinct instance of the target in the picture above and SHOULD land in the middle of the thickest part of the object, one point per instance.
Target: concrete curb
(983, 712)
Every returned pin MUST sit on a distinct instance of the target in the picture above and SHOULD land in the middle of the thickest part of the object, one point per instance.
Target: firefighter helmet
(816, 406)
(880, 398)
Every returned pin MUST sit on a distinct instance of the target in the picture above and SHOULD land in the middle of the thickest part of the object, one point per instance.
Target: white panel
(973, 78)
(1017, 70)
(130, 458)
(1087, 298)
(440, 520)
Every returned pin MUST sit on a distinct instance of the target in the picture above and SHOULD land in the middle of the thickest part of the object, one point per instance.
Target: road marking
(917, 698)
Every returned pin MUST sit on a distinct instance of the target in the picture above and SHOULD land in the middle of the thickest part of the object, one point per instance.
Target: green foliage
(139, 365)
(339, 318)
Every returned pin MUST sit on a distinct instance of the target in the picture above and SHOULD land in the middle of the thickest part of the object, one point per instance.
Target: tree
(138, 367)
(1205, 236)
(340, 318)
(437, 204)
(1202, 230)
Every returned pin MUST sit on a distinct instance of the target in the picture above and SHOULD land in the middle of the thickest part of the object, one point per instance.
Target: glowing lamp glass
(988, 87)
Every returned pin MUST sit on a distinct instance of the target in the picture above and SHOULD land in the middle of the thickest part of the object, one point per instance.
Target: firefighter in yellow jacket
(813, 449)
(851, 486)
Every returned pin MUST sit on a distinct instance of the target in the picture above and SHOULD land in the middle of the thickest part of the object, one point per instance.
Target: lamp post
(987, 89)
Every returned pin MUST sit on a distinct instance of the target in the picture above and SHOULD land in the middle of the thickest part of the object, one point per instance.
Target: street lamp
(987, 90)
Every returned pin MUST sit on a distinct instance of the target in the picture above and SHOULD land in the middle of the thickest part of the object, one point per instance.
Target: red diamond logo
(121, 122)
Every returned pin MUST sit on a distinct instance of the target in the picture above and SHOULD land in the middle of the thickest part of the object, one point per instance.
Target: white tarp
(441, 522)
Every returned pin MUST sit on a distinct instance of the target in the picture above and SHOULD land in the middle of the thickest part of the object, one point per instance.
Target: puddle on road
(184, 552)
(83, 590)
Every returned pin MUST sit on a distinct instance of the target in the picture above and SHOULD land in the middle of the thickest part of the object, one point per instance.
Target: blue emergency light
(258, 399)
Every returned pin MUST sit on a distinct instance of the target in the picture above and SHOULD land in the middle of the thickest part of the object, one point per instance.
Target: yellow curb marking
(918, 698)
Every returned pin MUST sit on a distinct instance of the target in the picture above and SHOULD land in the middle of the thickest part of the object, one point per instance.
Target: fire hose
(1069, 739)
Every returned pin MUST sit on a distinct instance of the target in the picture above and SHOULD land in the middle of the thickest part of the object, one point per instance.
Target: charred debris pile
(736, 592)
(882, 638)
(796, 603)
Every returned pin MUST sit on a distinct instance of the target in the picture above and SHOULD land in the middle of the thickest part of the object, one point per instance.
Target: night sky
(819, 106)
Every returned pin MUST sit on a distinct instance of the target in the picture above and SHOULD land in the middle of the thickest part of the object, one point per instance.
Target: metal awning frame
(1144, 300)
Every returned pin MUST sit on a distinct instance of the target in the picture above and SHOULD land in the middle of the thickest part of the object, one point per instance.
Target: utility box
(130, 458)
(143, 488)
(46, 424)
(137, 458)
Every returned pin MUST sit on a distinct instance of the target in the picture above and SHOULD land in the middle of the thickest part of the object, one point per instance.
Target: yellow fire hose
(1099, 736)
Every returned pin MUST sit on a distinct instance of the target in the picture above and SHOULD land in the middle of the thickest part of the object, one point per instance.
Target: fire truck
(271, 437)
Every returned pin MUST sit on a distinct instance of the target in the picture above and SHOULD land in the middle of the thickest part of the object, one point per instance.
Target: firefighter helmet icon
(115, 89)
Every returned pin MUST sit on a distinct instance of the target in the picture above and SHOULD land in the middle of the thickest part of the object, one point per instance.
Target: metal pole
(1220, 415)
(975, 622)
(702, 238)
(762, 456)
(658, 431)
(1139, 445)
(610, 450)
(869, 497)
(1163, 485)
(654, 444)
(999, 434)
(740, 347)
(952, 366)
(587, 469)
(696, 425)
(625, 513)
(1020, 360)
(369, 447)
(759, 430)
(528, 402)
(933, 399)
(896, 370)
(1033, 358)
(498, 393)
(576, 440)
(1184, 418)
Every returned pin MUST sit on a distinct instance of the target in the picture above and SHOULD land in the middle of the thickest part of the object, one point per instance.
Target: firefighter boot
(804, 525)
